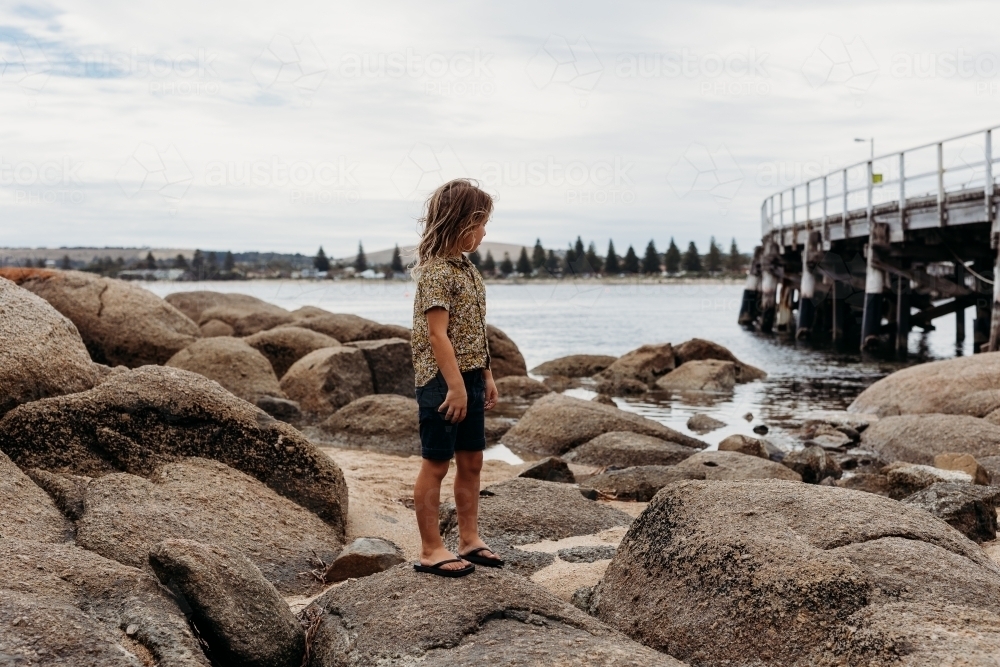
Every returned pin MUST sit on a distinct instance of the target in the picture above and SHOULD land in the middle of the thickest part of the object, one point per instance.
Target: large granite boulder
(699, 349)
(645, 365)
(121, 323)
(65, 606)
(345, 327)
(639, 483)
(520, 388)
(960, 386)
(716, 465)
(26, 511)
(384, 423)
(327, 379)
(505, 358)
(364, 557)
(137, 419)
(575, 365)
(770, 572)
(42, 353)
(241, 369)
(744, 444)
(196, 499)
(969, 508)
(919, 438)
(813, 463)
(391, 364)
(286, 345)
(708, 375)
(244, 313)
(624, 449)
(555, 424)
(494, 617)
(238, 613)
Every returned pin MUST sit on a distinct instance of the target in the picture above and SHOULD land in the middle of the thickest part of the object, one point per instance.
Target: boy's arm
(456, 402)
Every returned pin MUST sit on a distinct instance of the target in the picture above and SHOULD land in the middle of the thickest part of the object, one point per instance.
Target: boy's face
(474, 237)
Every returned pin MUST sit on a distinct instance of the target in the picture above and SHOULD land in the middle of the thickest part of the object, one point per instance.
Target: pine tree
(692, 260)
(714, 260)
(397, 261)
(321, 262)
(538, 255)
(672, 258)
(593, 261)
(150, 262)
(211, 265)
(631, 263)
(506, 266)
(476, 260)
(578, 251)
(551, 262)
(611, 262)
(569, 261)
(66, 265)
(360, 262)
(229, 263)
(651, 260)
(523, 263)
(180, 262)
(198, 265)
(735, 258)
(489, 264)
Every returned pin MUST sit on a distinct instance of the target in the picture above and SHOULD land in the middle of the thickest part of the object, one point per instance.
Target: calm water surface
(556, 319)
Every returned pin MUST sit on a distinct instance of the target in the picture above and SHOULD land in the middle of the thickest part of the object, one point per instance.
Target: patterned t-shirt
(453, 283)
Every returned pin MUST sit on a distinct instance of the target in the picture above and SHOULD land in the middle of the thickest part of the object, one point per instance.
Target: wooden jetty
(863, 255)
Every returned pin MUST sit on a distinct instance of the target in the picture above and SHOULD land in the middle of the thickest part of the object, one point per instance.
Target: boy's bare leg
(469, 465)
(426, 499)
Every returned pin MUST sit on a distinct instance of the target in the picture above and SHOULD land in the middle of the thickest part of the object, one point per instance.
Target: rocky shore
(209, 479)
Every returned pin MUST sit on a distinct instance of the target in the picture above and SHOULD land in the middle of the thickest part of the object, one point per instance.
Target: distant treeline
(576, 261)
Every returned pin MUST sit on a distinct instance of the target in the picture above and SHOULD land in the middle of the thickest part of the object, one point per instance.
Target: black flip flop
(482, 560)
(438, 570)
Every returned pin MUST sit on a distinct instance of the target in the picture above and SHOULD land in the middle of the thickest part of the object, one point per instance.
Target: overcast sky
(283, 126)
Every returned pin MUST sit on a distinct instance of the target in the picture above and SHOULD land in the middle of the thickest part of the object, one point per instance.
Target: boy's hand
(492, 395)
(455, 406)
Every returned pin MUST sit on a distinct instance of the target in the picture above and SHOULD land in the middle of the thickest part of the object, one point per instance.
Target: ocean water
(550, 320)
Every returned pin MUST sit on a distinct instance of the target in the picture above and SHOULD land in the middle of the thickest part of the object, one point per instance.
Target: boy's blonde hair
(450, 213)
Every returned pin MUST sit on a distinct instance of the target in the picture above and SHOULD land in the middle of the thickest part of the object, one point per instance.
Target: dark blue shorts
(439, 438)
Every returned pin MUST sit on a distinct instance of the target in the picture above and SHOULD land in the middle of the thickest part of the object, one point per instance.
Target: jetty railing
(960, 163)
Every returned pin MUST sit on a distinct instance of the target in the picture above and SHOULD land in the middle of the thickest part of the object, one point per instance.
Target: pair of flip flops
(462, 571)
